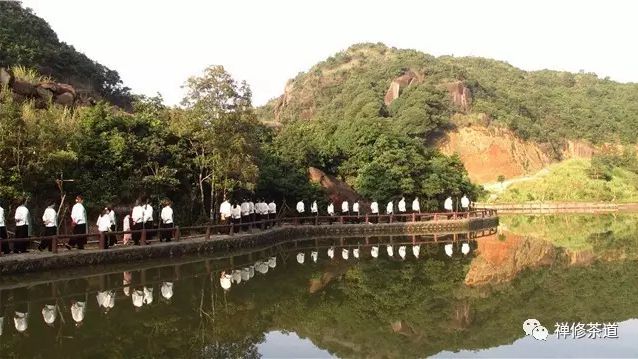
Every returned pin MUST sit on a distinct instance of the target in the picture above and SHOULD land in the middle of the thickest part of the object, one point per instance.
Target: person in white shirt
(137, 215)
(345, 210)
(416, 206)
(314, 209)
(104, 226)
(3, 232)
(402, 209)
(374, 209)
(22, 218)
(259, 212)
(245, 214)
(148, 220)
(389, 208)
(301, 210)
(78, 218)
(272, 212)
(235, 214)
(355, 210)
(112, 237)
(224, 211)
(465, 203)
(448, 205)
(251, 211)
(331, 212)
(166, 222)
(50, 220)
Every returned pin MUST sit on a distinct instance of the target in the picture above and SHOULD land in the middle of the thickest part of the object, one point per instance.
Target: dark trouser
(3, 237)
(21, 232)
(374, 218)
(48, 243)
(166, 236)
(355, 220)
(112, 237)
(245, 219)
(78, 241)
(150, 230)
(344, 214)
(107, 238)
(137, 235)
(236, 224)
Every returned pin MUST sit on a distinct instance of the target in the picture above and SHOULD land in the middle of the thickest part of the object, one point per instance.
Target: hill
(27, 40)
(420, 93)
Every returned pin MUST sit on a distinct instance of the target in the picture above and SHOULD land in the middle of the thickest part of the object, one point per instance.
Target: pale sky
(156, 45)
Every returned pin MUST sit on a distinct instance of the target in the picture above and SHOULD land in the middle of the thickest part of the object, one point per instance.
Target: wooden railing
(149, 235)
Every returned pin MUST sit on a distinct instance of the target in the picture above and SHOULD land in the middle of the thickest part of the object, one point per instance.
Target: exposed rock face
(43, 93)
(489, 152)
(461, 95)
(399, 83)
(337, 190)
(580, 149)
(500, 261)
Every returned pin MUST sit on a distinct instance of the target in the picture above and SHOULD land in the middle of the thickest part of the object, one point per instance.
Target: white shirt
(402, 205)
(104, 223)
(345, 206)
(448, 204)
(148, 295)
(300, 207)
(49, 313)
(148, 213)
(389, 208)
(167, 215)
(272, 207)
(313, 207)
(465, 202)
(167, 290)
(374, 208)
(138, 214)
(22, 216)
(245, 209)
(355, 207)
(138, 298)
(225, 281)
(50, 217)
(416, 207)
(251, 207)
(78, 214)
(77, 311)
(2, 217)
(21, 321)
(331, 209)
(224, 209)
(112, 217)
(235, 212)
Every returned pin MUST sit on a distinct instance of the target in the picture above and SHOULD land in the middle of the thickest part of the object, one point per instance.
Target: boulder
(338, 191)
(45, 94)
(461, 95)
(406, 79)
(23, 88)
(65, 99)
(65, 88)
(6, 78)
(51, 86)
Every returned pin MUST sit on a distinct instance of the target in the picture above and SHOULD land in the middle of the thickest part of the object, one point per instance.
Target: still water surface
(465, 300)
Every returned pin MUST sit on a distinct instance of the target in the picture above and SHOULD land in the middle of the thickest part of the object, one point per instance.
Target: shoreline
(45, 261)
(559, 207)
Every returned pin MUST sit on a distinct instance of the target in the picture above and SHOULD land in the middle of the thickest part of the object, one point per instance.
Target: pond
(458, 295)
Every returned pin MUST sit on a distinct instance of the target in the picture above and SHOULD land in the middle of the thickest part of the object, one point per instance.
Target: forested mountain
(29, 41)
(417, 93)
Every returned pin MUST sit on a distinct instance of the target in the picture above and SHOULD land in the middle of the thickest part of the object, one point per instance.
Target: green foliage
(28, 41)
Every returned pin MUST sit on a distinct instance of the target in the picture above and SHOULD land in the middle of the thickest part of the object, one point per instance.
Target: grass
(569, 181)
(29, 75)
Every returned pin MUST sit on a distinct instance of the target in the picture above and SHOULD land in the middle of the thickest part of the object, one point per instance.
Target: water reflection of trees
(381, 307)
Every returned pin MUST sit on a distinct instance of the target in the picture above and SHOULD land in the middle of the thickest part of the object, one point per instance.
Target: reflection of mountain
(500, 260)
(369, 308)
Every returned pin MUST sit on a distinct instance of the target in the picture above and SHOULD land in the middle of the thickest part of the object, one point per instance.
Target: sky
(156, 45)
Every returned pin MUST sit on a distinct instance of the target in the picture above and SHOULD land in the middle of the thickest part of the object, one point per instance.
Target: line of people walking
(141, 217)
(241, 214)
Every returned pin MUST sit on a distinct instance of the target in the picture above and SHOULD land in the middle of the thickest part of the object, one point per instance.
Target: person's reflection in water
(21, 314)
(78, 303)
(167, 290)
(138, 298)
(148, 295)
(416, 249)
(3, 294)
(225, 280)
(49, 314)
(272, 262)
(236, 276)
(126, 282)
(245, 274)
